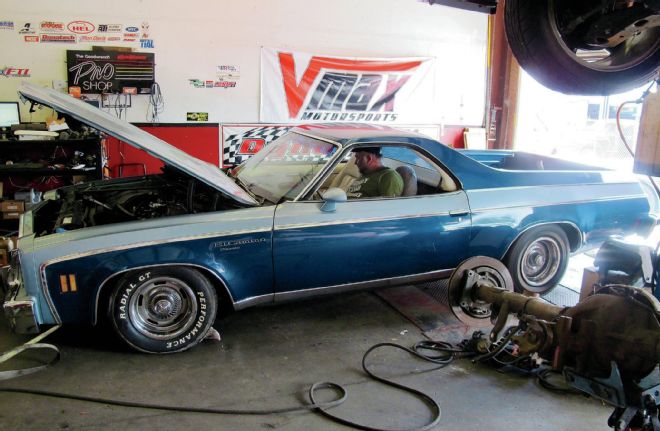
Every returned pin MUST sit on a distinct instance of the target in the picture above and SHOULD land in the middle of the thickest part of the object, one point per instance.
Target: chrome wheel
(587, 47)
(163, 307)
(540, 261)
(607, 50)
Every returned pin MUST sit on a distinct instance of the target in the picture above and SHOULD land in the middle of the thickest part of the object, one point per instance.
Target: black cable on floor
(543, 377)
(188, 409)
(446, 355)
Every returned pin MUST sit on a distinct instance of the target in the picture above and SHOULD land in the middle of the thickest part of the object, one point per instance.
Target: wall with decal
(207, 54)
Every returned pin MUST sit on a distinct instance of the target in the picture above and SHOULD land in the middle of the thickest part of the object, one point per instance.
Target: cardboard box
(12, 206)
(11, 216)
(590, 277)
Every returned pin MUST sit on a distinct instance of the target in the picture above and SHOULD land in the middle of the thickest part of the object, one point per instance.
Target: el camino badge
(236, 244)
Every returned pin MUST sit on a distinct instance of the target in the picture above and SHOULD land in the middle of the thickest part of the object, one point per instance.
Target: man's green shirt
(385, 182)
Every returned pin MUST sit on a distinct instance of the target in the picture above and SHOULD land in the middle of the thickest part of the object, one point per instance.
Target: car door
(367, 242)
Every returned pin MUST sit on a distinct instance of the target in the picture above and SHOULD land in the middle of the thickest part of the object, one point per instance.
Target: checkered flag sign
(241, 142)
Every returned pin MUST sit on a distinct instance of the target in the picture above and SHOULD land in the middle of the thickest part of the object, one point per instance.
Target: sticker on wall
(144, 30)
(51, 26)
(227, 76)
(92, 39)
(224, 84)
(146, 43)
(31, 38)
(229, 73)
(27, 29)
(75, 92)
(14, 72)
(200, 83)
(58, 38)
(109, 28)
(80, 27)
(6, 25)
(197, 116)
(196, 83)
(131, 34)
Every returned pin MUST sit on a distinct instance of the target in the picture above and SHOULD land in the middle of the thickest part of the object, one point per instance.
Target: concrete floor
(268, 358)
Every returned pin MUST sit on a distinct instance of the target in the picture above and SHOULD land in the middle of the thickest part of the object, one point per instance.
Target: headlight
(13, 278)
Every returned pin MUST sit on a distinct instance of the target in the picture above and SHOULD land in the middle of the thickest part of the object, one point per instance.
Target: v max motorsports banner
(299, 87)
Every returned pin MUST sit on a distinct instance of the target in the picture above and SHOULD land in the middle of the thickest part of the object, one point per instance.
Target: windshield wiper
(248, 188)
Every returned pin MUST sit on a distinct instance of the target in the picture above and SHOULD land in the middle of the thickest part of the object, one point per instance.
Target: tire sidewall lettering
(203, 295)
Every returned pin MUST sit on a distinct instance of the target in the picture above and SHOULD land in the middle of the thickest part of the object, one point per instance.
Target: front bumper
(19, 308)
(20, 315)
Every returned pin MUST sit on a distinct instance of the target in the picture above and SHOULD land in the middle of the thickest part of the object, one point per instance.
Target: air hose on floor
(444, 354)
(33, 344)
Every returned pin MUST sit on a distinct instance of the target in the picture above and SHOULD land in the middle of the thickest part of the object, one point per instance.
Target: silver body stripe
(355, 221)
(45, 264)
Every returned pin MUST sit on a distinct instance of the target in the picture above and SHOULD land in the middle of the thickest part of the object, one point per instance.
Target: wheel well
(572, 232)
(225, 303)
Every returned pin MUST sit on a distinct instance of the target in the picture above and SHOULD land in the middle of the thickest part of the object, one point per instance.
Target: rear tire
(538, 259)
(163, 310)
(548, 53)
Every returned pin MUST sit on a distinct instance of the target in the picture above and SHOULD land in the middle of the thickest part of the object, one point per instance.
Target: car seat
(409, 180)
(347, 176)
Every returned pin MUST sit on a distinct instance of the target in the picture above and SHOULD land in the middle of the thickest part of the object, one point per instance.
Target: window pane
(577, 128)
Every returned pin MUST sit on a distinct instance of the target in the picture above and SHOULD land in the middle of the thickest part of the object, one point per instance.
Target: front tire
(566, 57)
(538, 259)
(163, 310)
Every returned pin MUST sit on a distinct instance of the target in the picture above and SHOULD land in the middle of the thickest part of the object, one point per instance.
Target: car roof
(345, 133)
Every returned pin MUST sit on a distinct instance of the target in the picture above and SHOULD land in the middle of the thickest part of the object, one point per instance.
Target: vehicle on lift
(160, 255)
(595, 47)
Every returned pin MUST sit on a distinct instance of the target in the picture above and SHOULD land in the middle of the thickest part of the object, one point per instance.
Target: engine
(123, 200)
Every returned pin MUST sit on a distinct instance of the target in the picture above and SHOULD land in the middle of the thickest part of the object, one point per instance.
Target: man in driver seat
(377, 180)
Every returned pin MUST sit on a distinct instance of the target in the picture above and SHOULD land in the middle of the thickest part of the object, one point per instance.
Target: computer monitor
(9, 114)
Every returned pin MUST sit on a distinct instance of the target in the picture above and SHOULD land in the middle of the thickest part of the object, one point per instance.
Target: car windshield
(283, 168)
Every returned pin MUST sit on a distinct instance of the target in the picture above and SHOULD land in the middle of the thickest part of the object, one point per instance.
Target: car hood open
(138, 138)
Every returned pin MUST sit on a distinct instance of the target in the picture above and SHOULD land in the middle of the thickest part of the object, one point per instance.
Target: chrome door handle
(458, 213)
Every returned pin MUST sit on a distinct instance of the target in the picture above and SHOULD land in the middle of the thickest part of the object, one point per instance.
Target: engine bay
(127, 199)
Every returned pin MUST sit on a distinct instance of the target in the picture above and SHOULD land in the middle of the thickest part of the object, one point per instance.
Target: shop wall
(191, 39)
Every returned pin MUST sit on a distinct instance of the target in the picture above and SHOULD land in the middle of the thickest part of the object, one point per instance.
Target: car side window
(403, 172)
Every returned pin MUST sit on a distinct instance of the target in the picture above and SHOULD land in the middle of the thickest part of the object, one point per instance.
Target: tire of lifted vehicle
(163, 309)
(538, 259)
(539, 48)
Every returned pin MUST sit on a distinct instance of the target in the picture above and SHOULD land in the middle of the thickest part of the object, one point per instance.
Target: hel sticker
(251, 145)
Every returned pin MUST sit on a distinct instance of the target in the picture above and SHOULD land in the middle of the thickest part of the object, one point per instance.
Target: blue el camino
(161, 255)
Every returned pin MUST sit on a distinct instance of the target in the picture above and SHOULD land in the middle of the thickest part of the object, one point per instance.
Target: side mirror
(331, 197)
